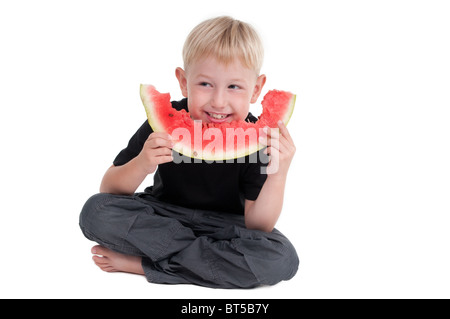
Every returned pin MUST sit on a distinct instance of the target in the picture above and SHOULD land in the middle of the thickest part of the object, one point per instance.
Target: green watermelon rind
(186, 150)
(149, 106)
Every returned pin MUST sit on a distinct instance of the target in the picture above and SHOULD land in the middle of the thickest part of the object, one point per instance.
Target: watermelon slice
(211, 141)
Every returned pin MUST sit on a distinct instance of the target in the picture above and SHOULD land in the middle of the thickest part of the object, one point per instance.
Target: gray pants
(181, 246)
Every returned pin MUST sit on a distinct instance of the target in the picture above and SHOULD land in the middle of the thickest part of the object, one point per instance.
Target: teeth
(217, 116)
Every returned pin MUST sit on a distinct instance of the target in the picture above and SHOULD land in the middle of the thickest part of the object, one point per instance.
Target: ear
(181, 76)
(260, 81)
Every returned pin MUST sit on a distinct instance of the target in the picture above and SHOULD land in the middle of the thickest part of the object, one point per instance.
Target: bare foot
(111, 261)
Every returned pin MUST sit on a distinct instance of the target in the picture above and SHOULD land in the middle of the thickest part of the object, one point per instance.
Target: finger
(282, 149)
(164, 159)
(156, 142)
(271, 150)
(285, 143)
(274, 157)
(272, 132)
(284, 131)
(162, 135)
(263, 140)
(269, 140)
(161, 151)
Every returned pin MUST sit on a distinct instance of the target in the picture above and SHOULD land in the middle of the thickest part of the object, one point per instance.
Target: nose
(218, 99)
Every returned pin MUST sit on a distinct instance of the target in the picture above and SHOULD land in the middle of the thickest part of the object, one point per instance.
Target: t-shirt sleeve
(253, 179)
(134, 146)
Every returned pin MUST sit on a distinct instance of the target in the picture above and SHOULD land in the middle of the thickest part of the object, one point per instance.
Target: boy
(209, 224)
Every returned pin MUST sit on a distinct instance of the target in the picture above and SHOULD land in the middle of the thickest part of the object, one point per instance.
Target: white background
(367, 202)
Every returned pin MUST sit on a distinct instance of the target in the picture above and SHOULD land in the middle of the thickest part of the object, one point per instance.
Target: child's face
(217, 93)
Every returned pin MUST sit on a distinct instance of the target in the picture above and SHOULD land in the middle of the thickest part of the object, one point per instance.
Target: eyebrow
(203, 76)
(237, 80)
(208, 77)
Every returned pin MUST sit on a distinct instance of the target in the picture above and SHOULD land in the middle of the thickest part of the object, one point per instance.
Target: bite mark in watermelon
(210, 141)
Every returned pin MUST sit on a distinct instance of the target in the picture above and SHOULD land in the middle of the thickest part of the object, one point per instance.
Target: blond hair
(224, 38)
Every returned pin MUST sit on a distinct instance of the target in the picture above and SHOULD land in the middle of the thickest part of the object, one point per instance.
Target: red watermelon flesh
(211, 141)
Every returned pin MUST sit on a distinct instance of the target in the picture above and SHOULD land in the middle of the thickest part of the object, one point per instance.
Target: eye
(205, 84)
(234, 87)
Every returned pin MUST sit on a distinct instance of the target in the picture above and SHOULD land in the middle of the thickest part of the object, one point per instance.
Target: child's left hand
(280, 147)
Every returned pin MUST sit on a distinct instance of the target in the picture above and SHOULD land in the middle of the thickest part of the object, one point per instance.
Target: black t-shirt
(208, 186)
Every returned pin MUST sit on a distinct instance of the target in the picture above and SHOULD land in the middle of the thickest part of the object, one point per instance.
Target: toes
(100, 260)
(103, 263)
(100, 250)
(109, 269)
(94, 250)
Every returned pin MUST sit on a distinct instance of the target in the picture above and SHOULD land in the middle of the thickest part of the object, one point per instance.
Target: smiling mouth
(217, 116)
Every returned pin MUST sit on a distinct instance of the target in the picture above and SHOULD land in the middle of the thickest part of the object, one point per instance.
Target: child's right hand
(157, 150)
